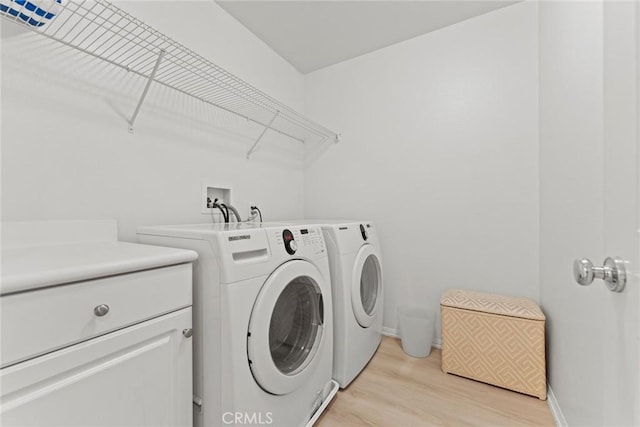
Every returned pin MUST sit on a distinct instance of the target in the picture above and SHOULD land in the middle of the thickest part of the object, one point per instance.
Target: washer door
(286, 327)
(366, 285)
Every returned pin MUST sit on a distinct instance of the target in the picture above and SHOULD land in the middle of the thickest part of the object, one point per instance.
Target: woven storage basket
(495, 339)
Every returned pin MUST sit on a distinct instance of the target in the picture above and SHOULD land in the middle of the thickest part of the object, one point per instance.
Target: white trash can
(417, 327)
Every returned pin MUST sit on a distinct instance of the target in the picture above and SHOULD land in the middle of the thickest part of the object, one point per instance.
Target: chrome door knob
(613, 273)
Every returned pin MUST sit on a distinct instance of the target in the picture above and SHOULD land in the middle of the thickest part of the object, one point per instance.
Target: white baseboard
(394, 333)
(390, 332)
(554, 406)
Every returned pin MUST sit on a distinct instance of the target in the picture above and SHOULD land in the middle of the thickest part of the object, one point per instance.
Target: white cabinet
(94, 332)
(136, 376)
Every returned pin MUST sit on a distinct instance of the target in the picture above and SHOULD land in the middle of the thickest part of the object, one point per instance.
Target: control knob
(289, 243)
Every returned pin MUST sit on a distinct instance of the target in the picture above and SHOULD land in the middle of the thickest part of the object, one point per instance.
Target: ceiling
(315, 34)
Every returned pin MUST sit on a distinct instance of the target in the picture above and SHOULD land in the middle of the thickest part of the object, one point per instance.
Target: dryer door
(366, 285)
(286, 327)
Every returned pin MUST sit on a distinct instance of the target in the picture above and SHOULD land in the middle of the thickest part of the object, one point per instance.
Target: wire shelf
(100, 29)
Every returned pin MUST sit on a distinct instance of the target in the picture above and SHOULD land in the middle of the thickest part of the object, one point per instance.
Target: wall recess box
(214, 191)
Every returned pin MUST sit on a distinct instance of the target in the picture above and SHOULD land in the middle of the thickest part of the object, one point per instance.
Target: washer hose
(235, 212)
(225, 215)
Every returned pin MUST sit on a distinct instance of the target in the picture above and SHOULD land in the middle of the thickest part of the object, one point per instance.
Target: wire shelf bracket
(104, 31)
(144, 92)
(255, 144)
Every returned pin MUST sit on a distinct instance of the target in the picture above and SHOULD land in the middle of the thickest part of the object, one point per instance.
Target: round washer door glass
(296, 323)
(369, 284)
(366, 287)
(286, 327)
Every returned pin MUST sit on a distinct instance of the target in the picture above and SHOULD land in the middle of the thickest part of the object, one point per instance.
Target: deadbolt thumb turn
(613, 273)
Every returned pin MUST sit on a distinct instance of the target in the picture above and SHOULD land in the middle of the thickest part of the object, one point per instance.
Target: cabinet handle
(101, 310)
(187, 332)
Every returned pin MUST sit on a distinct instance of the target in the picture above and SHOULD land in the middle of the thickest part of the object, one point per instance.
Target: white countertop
(26, 268)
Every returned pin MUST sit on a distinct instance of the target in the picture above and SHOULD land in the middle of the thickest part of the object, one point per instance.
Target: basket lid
(492, 303)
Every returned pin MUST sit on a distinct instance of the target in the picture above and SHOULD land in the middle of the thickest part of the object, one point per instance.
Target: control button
(363, 231)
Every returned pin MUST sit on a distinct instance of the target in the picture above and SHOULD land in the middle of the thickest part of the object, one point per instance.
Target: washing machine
(356, 278)
(263, 323)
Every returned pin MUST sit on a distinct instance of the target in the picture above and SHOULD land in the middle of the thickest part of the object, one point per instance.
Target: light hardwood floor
(398, 390)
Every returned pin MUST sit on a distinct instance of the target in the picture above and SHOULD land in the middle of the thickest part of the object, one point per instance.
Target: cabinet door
(137, 376)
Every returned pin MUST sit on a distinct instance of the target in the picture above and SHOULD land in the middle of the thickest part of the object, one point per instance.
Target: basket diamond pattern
(504, 350)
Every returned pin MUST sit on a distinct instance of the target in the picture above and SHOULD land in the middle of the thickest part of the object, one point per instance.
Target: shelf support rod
(253, 147)
(146, 89)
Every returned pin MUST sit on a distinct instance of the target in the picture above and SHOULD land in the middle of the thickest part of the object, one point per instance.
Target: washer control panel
(302, 240)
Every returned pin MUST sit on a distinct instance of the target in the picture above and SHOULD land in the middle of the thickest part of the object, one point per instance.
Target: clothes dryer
(357, 289)
(263, 322)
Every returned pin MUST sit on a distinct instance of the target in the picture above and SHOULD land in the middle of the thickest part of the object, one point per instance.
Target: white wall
(67, 154)
(589, 206)
(440, 150)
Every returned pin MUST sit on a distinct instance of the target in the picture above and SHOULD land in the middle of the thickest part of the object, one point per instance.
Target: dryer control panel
(301, 241)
